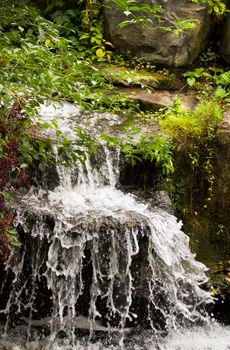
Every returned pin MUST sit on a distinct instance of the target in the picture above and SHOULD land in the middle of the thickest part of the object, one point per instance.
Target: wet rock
(4, 345)
(221, 310)
(104, 235)
(223, 131)
(225, 40)
(219, 284)
(160, 46)
(221, 201)
(208, 227)
(162, 200)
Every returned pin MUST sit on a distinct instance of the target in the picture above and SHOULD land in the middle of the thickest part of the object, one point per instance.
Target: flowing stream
(101, 269)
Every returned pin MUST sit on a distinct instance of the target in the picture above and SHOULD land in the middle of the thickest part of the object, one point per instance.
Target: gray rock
(160, 46)
(162, 201)
(225, 40)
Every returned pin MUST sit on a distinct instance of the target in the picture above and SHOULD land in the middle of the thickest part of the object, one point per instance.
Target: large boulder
(156, 45)
(225, 40)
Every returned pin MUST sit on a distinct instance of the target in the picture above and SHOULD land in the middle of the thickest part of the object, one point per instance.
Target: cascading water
(97, 265)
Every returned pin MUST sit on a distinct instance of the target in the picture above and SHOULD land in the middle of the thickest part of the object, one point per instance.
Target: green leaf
(124, 24)
(84, 36)
(216, 9)
(224, 78)
(191, 81)
(48, 43)
(100, 53)
(221, 92)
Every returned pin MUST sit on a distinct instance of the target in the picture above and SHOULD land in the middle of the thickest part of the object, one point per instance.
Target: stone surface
(210, 227)
(222, 185)
(225, 40)
(160, 46)
(223, 131)
(160, 80)
(160, 99)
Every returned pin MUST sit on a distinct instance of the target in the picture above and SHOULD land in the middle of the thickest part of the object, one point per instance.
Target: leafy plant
(155, 148)
(94, 38)
(193, 135)
(150, 16)
(215, 7)
(84, 28)
(188, 127)
(192, 77)
(222, 79)
(218, 79)
(208, 56)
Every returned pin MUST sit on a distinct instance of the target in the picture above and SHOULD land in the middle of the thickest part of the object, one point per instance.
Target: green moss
(129, 77)
(189, 127)
(121, 75)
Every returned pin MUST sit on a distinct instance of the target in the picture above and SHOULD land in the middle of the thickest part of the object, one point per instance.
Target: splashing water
(99, 263)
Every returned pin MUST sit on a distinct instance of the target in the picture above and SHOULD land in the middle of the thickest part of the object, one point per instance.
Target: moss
(120, 75)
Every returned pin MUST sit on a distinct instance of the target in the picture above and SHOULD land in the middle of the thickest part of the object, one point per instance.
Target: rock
(160, 99)
(223, 131)
(162, 200)
(219, 284)
(210, 227)
(225, 40)
(221, 204)
(160, 80)
(160, 46)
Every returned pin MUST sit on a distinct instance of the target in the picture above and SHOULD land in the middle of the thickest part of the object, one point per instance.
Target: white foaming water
(103, 261)
(214, 337)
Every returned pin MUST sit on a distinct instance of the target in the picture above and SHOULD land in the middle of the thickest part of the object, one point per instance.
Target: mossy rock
(120, 75)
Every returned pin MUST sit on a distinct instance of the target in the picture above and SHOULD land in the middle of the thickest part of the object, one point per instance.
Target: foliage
(155, 148)
(215, 7)
(187, 128)
(84, 28)
(37, 64)
(150, 16)
(216, 77)
(191, 77)
(25, 145)
(81, 22)
(138, 13)
(209, 56)
(193, 135)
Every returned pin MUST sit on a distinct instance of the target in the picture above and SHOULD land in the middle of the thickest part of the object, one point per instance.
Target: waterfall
(98, 263)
